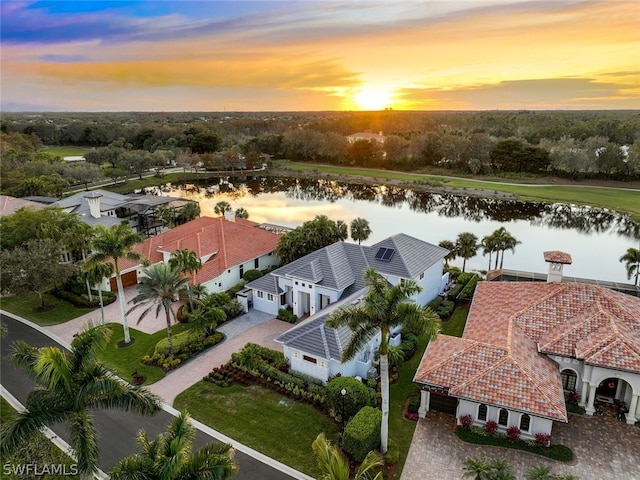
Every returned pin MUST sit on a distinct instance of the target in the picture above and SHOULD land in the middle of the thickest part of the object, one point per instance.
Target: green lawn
(255, 417)
(66, 151)
(124, 361)
(22, 305)
(37, 451)
(455, 325)
(621, 200)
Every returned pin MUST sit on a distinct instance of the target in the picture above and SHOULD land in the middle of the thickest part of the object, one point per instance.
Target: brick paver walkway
(604, 449)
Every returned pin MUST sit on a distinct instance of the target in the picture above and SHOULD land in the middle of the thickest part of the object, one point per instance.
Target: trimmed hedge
(82, 301)
(182, 353)
(287, 316)
(179, 340)
(362, 433)
(251, 275)
(358, 395)
(469, 289)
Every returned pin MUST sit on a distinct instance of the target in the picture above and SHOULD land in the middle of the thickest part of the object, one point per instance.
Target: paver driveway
(604, 449)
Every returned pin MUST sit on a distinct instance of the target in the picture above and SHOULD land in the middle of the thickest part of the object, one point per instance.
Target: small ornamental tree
(357, 395)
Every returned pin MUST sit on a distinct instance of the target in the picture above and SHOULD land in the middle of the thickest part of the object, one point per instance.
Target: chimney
(93, 199)
(556, 260)
(230, 216)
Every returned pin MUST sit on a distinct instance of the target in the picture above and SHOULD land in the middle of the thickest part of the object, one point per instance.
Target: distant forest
(572, 144)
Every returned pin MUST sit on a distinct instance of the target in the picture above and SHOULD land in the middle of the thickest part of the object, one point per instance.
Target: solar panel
(388, 254)
(381, 252)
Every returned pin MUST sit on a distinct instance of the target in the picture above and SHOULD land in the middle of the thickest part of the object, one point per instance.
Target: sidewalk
(256, 327)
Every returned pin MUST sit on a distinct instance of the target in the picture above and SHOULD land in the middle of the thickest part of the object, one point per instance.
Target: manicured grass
(22, 305)
(455, 325)
(619, 199)
(39, 450)
(124, 361)
(255, 417)
(66, 151)
(555, 452)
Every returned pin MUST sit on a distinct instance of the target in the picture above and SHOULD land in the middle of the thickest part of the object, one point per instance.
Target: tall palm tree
(489, 245)
(170, 457)
(242, 213)
(360, 229)
(186, 261)
(382, 309)
(336, 467)
(466, 247)
(160, 285)
(632, 263)
(112, 245)
(94, 274)
(449, 245)
(504, 241)
(222, 207)
(72, 385)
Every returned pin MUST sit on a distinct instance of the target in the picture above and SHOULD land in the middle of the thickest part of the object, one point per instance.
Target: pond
(595, 238)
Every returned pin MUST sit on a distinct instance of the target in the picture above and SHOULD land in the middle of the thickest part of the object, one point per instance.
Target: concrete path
(604, 448)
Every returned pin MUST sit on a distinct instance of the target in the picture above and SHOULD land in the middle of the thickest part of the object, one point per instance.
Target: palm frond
(25, 356)
(52, 368)
(83, 440)
(85, 346)
(19, 430)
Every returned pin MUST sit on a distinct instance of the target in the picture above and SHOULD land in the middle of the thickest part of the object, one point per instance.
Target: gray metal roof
(315, 338)
(267, 283)
(412, 256)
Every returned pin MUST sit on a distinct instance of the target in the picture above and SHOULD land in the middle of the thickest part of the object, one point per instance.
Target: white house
(526, 344)
(319, 282)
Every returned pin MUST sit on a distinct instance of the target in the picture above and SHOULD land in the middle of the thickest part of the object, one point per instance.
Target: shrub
(414, 401)
(179, 340)
(445, 309)
(513, 434)
(435, 303)
(543, 440)
(287, 316)
(469, 288)
(251, 275)
(464, 278)
(454, 272)
(453, 293)
(358, 395)
(466, 421)
(393, 453)
(491, 428)
(82, 300)
(362, 433)
(409, 345)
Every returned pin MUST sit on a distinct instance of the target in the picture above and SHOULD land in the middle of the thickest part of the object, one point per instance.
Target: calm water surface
(595, 238)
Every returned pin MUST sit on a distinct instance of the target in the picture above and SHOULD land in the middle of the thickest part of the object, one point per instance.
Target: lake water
(595, 238)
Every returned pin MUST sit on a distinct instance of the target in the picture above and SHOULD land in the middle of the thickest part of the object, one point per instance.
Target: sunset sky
(325, 55)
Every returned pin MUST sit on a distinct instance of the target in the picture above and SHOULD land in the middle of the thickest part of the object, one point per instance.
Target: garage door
(443, 403)
(128, 279)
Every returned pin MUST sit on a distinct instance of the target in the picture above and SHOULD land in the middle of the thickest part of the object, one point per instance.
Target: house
(10, 205)
(102, 207)
(366, 136)
(527, 344)
(227, 247)
(317, 283)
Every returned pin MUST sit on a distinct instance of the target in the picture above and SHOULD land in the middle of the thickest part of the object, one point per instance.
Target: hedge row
(185, 351)
(82, 301)
(362, 433)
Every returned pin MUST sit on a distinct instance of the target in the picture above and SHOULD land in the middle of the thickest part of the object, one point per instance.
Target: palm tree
(382, 309)
(205, 320)
(111, 245)
(94, 274)
(170, 457)
(242, 213)
(190, 211)
(477, 468)
(360, 229)
(73, 385)
(632, 263)
(466, 247)
(489, 246)
(186, 261)
(504, 241)
(449, 245)
(336, 467)
(222, 207)
(160, 285)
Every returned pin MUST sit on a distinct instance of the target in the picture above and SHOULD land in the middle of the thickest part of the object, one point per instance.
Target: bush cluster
(414, 401)
(251, 275)
(513, 434)
(183, 352)
(287, 316)
(409, 345)
(467, 292)
(362, 433)
(358, 395)
(466, 421)
(82, 300)
(491, 428)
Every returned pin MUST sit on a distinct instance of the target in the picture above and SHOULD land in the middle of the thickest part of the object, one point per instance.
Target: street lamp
(343, 392)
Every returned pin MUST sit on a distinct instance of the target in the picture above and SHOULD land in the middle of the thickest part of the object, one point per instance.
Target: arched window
(569, 379)
(482, 412)
(503, 417)
(525, 422)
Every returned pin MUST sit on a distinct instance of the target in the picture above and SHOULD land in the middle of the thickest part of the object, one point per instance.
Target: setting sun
(373, 98)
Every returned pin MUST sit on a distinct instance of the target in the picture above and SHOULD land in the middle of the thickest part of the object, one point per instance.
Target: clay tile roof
(556, 256)
(220, 243)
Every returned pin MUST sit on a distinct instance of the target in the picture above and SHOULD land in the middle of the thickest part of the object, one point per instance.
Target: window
(503, 417)
(525, 422)
(421, 275)
(309, 359)
(256, 263)
(241, 271)
(569, 379)
(269, 297)
(482, 412)
(260, 294)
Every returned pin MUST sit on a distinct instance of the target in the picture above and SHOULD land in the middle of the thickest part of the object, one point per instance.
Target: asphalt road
(117, 430)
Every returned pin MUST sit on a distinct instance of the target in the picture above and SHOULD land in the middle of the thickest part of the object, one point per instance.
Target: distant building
(367, 136)
(10, 205)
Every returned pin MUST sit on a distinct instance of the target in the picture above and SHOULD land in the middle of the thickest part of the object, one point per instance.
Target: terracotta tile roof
(220, 244)
(557, 256)
(498, 360)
